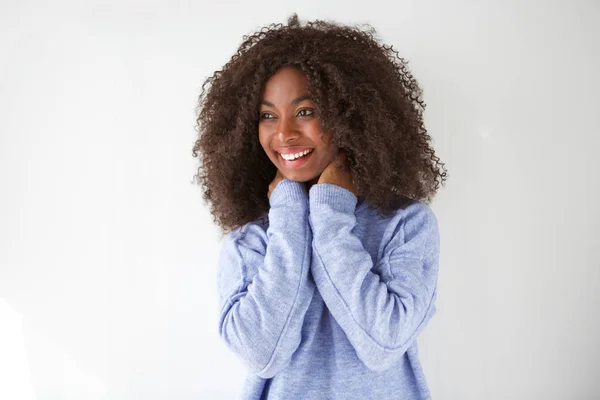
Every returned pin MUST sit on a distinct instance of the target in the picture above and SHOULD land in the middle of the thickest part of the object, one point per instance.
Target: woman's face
(288, 126)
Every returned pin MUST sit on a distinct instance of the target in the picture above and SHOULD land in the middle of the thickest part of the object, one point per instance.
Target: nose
(287, 130)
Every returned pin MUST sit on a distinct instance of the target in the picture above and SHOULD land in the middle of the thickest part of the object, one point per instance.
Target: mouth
(296, 163)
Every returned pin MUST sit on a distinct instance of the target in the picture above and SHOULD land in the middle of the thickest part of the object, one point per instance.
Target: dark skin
(287, 118)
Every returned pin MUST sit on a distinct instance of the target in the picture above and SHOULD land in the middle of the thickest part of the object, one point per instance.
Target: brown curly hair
(363, 92)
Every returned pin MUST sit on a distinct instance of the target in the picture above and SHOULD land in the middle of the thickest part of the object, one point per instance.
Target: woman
(317, 166)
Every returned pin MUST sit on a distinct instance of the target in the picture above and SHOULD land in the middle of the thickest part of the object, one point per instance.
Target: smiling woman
(319, 130)
(289, 131)
(288, 84)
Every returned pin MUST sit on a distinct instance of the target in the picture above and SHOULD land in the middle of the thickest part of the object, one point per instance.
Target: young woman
(316, 164)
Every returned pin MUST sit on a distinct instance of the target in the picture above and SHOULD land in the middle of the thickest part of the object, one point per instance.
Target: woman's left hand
(338, 173)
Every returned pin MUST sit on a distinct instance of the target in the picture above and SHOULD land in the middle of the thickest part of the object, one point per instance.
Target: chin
(296, 178)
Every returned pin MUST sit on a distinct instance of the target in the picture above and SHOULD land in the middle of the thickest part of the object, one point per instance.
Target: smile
(297, 162)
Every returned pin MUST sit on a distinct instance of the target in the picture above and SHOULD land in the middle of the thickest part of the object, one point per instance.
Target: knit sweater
(325, 297)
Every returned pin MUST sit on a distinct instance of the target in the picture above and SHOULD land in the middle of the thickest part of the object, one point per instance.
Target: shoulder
(415, 215)
(418, 216)
(414, 230)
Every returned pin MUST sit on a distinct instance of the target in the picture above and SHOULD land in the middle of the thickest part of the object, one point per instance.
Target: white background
(108, 255)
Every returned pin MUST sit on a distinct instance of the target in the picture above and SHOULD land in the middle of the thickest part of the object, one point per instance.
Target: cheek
(264, 143)
(329, 150)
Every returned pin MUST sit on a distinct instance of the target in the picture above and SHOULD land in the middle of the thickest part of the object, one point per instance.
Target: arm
(381, 314)
(263, 283)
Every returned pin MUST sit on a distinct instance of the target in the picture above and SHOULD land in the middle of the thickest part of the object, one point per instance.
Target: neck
(312, 182)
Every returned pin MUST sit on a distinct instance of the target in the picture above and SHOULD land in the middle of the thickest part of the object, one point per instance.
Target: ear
(327, 138)
(342, 156)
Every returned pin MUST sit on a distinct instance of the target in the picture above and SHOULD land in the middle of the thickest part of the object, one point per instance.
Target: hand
(338, 173)
(278, 177)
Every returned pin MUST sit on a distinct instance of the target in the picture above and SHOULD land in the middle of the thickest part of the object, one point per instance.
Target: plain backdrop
(108, 255)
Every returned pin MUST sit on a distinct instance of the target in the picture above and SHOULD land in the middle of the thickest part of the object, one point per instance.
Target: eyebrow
(295, 101)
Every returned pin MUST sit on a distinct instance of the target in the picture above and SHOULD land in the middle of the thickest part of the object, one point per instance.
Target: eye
(307, 111)
(265, 115)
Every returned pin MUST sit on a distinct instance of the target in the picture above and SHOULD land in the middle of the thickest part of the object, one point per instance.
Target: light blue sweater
(325, 299)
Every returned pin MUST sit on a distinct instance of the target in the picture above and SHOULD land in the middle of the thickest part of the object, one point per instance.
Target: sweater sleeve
(263, 283)
(381, 307)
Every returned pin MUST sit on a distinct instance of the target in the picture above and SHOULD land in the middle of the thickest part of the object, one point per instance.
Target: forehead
(285, 82)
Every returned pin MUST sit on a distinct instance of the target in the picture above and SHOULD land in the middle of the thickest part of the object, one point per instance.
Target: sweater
(324, 298)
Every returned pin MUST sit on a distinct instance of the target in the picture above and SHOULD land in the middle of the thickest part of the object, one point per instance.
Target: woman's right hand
(274, 182)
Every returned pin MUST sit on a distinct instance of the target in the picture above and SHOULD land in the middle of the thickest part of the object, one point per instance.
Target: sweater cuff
(288, 191)
(333, 196)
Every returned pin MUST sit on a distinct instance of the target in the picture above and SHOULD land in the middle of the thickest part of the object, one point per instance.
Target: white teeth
(291, 157)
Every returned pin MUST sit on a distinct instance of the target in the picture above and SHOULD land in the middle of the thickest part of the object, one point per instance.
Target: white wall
(108, 256)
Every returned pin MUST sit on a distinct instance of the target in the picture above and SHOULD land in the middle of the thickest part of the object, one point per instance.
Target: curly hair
(363, 92)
